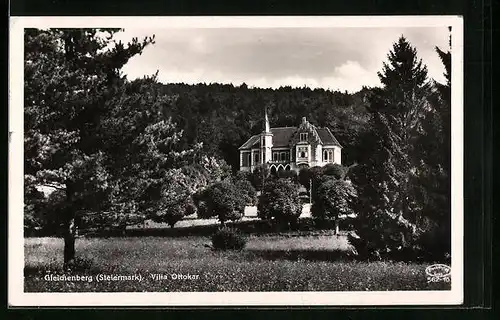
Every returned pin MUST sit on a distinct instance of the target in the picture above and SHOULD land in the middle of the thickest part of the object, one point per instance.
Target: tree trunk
(69, 228)
(336, 226)
(69, 243)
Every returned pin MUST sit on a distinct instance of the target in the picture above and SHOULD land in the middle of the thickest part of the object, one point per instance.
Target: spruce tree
(404, 71)
(398, 112)
(385, 177)
(433, 182)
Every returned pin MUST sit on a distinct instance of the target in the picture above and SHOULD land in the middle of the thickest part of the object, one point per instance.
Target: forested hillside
(223, 117)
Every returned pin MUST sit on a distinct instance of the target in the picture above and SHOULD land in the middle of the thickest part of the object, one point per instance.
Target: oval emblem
(438, 271)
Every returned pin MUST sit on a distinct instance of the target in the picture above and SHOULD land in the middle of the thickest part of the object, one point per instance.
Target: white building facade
(290, 148)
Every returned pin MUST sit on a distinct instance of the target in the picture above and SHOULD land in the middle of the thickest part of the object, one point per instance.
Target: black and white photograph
(236, 161)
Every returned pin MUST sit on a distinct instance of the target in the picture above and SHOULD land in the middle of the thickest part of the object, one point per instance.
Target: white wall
(337, 154)
(319, 155)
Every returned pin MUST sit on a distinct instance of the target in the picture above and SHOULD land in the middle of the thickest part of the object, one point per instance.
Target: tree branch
(53, 186)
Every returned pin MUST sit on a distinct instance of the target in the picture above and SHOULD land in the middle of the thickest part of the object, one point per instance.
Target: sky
(332, 58)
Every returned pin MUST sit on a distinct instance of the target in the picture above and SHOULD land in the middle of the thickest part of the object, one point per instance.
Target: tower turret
(266, 140)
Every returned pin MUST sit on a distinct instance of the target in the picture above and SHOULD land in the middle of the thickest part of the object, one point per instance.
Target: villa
(290, 148)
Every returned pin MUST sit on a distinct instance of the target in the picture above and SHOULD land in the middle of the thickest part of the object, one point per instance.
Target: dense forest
(223, 117)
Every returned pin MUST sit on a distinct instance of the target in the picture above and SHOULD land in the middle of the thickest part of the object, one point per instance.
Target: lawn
(268, 263)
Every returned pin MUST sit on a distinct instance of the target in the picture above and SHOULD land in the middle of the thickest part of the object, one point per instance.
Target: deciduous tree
(333, 198)
(280, 202)
(222, 200)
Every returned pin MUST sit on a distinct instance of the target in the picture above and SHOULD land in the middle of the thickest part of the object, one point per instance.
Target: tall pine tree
(90, 133)
(385, 177)
(433, 181)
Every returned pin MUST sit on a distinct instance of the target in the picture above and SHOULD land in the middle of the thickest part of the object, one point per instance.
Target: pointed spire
(267, 127)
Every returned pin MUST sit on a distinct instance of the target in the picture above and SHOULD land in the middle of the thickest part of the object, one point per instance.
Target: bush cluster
(228, 239)
(223, 200)
(246, 190)
(290, 174)
(332, 198)
(280, 202)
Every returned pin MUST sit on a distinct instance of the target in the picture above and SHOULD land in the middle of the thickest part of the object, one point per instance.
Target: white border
(15, 228)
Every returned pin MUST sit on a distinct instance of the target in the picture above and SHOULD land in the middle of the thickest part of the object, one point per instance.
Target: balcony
(284, 161)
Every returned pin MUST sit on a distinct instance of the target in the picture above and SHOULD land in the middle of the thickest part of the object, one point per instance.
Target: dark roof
(250, 142)
(282, 136)
(327, 137)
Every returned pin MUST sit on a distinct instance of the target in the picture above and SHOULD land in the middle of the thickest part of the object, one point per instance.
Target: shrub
(175, 214)
(288, 174)
(306, 224)
(259, 174)
(223, 200)
(174, 210)
(247, 191)
(380, 235)
(335, 170)
(308, 175)
(175, 196)
(280, 202)
(228, 239)
(242, 175)
(304, 177)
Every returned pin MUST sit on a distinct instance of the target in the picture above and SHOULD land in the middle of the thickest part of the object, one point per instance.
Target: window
(275, 156)
(328, 155)
(282, 156)
(256, 157)
(287, 156)
(302, 152)
(246, 159)
(303, 137)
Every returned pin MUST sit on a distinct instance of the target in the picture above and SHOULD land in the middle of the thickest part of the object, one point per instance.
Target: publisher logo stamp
(438, 273)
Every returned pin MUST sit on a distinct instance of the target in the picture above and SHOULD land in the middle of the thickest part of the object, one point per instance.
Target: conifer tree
(89, 132)
(385, 177)
(399, 109)
(404, 71)
(433, 182)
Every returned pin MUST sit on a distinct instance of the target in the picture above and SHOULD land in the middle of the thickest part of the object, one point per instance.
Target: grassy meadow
(275, 262)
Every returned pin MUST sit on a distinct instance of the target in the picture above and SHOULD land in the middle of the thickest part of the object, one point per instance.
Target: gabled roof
(251, 142)
(282, 136)
(327, 137)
